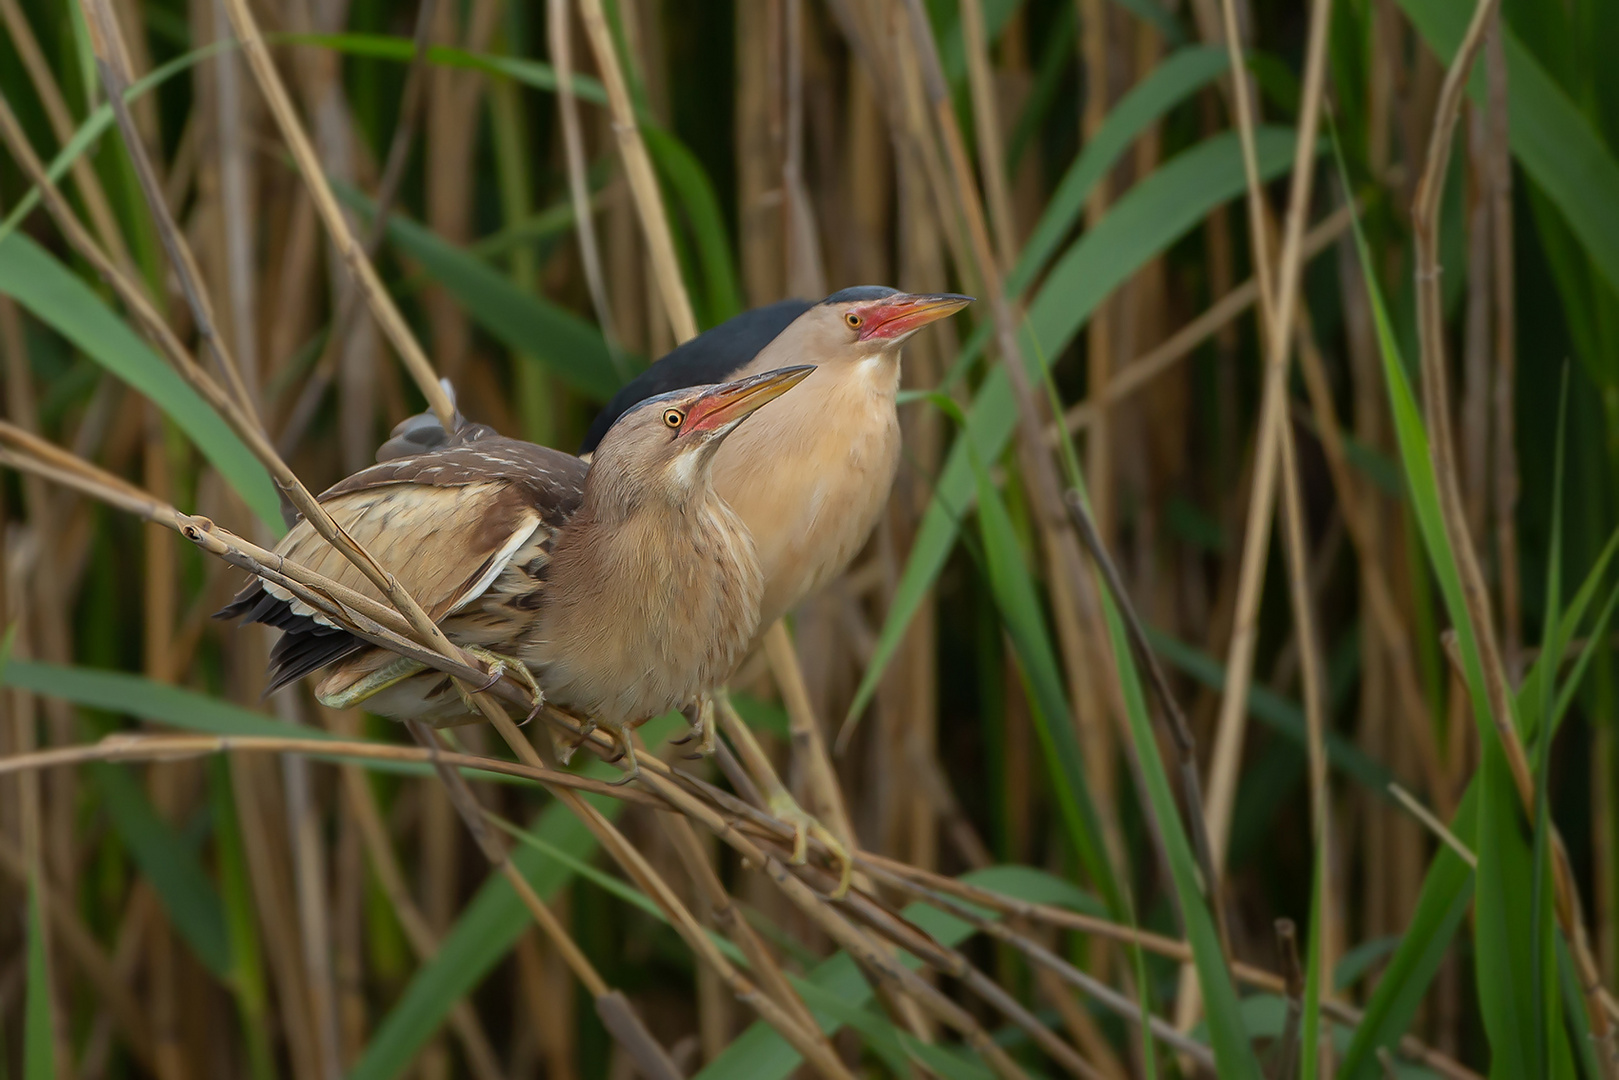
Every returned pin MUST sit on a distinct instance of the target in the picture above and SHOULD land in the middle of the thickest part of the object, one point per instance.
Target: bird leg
(625, 734)
(395, 670)
(500, 664)
(700, 715)
(780, 802)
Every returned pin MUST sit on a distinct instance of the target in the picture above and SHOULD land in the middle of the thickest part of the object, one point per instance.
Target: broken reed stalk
(1431, 335)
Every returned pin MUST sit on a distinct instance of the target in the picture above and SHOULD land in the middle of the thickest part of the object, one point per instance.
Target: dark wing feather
(713, 356)
(550, 481)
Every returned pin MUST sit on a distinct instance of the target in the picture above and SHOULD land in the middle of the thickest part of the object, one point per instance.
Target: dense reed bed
(1132, 790)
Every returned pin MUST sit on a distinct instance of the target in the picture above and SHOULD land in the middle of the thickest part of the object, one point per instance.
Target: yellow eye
(855, 321)
(673, 417)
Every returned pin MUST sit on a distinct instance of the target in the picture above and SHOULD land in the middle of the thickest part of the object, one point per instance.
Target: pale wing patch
(497, 563)
(438, 542)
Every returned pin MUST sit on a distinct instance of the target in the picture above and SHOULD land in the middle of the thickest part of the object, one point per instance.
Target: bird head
(872, 320)
(664, 447)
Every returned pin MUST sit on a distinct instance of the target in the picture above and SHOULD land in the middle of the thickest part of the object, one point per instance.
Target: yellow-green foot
(626, 738)
(785, 808)
(369, 686)
(701, 718)
(499, 665)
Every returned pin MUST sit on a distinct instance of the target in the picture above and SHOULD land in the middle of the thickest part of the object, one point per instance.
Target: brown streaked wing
(445, 545)
(552, 481)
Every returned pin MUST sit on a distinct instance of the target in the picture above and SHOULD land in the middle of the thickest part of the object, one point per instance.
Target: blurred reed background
(1414, 878)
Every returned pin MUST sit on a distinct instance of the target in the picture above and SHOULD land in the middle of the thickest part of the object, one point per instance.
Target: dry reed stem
(804, 729)
(1138, 373)
(559, 37)
(1119, 1004)
(987, 129)
(245, 426)
(1313, 677)
(1379, 595)
(1430, 331)
(116, 79)
(1435, 382)
(62, 126)
(723, 912)
(935, 888)
(480, 1052)
(393, 175)
(804, 273)
(392, 322)
(638, 170)
(80, 944)
(1059, 513)
(1278, 300)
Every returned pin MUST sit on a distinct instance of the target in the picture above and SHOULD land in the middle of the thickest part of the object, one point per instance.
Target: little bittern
(809, 476)
(626, 587)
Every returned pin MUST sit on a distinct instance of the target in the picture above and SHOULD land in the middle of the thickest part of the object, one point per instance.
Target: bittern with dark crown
(810, 476)
(626, 587)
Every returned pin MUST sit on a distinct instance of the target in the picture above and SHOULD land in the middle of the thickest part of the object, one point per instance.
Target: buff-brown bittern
(809, 477)
(626, 587)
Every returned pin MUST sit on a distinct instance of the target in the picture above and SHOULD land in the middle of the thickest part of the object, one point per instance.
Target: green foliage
(46, 288)
(1007, 759)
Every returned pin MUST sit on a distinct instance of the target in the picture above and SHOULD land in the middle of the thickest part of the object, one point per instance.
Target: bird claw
(499, 666)
(571, 746)
(703, 726)
(805, 825)
(633, 769)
